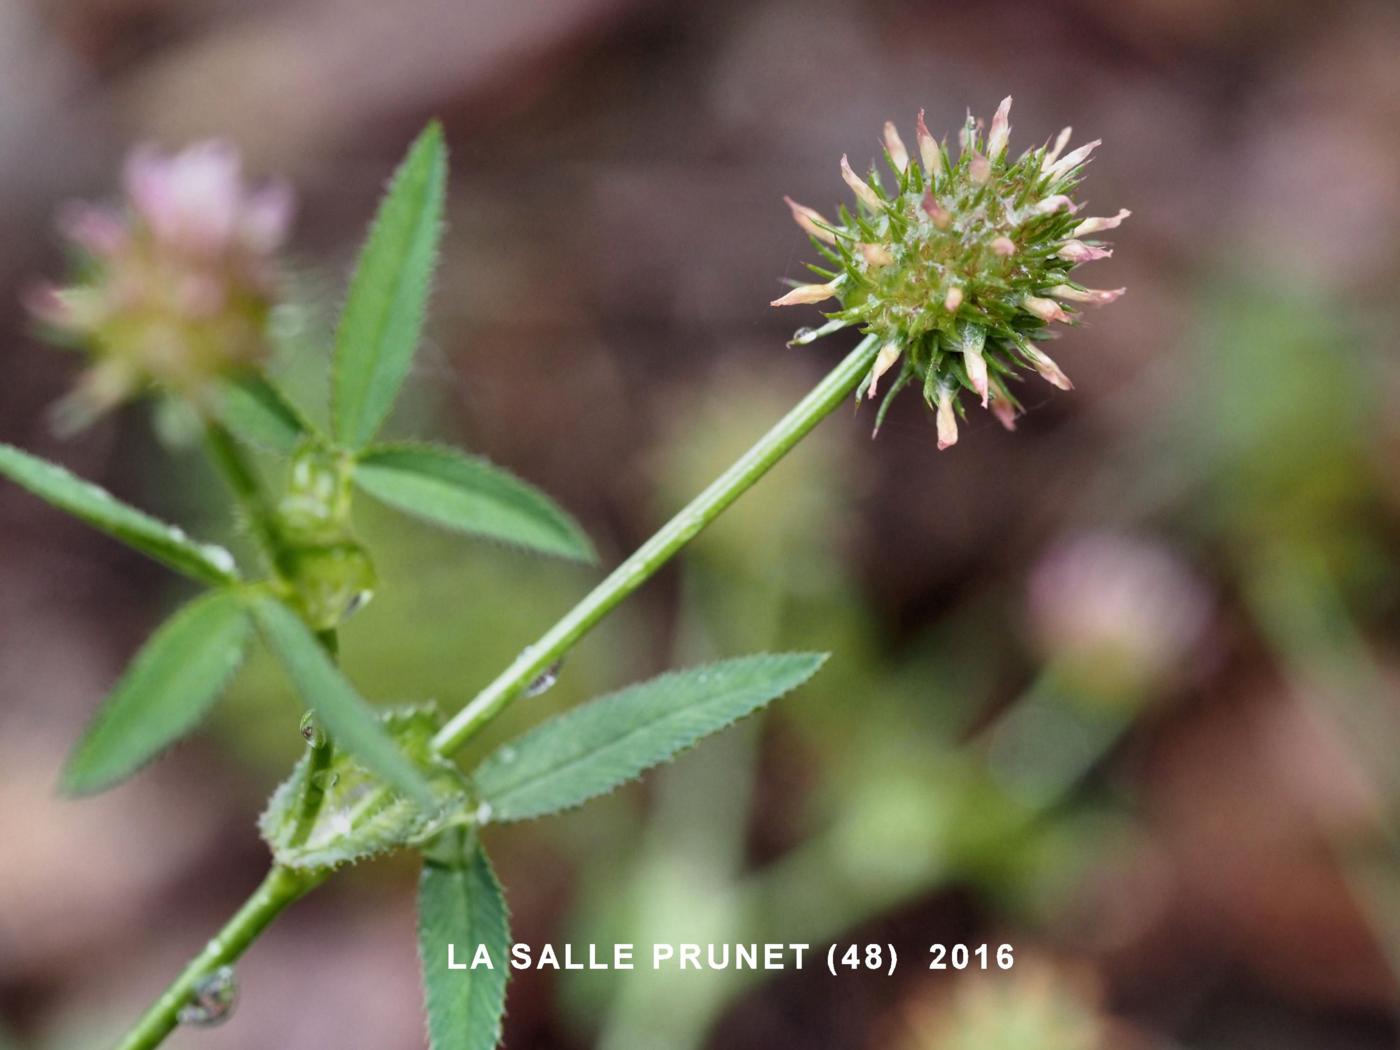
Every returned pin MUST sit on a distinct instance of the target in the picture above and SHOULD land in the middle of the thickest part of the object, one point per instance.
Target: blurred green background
(1117, 689)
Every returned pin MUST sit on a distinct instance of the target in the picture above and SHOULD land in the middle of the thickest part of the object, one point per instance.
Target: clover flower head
(959, 266)
(174, 287)
(1118, 613)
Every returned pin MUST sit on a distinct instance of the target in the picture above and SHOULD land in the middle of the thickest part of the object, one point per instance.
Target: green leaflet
(100, 509)
(256, 410)
(357, 820)
(167, 689)
(594, 748)
(462, 492)
(383, 315)
(350, 721)
(460, 904)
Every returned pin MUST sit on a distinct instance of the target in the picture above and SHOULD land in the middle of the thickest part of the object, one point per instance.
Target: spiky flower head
(959, 267)
(174, 288)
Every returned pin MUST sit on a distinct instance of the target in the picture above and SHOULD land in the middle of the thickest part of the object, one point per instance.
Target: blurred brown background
(1214, 863)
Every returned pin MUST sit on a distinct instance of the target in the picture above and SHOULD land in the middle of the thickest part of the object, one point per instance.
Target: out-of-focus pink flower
(179, 282)
(1121, 610)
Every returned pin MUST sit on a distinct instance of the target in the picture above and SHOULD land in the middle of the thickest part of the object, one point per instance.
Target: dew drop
(506, 755)
(357, 601)
(311, 731)
(211, 999)
(802, 336)
(219, 558)
(545, 680)
(483, 813)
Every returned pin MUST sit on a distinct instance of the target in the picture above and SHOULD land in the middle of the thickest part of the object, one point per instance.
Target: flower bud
(1048, 370)
(1000, 130)
(947, 420)
(1053, 203)
(1061, 141)
(1098, 225)
(1045, 309)
(1079, 252)
(859, 186)
(895, 145)
(806, 293)
(1095, 296)
(941, 216)
(1072, 159)
(929, 153)
(811, 221)
(876, 254)
(884, 361)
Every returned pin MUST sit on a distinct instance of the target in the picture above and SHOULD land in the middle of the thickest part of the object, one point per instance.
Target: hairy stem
(655, 552)
(281, 887)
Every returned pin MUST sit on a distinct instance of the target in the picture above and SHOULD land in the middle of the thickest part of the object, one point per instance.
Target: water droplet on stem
(545, 679)
(311, 731)
(211, 999)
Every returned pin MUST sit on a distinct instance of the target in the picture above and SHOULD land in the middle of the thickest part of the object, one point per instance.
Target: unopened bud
(947, 420)
(1098, 225)
(1005, 412)
(876, 254)
(859, 187)
(898, 154)
(1072, 159)
(1052, 204)
(953, 299)
(1095, 296)
(1000, 130)
(884, 361)
(1061, 141)
(1004, 246)
(976, 365)
(1049, 371)
(941, 216)
(1045, 309)
(811, 221)
(929, 153)
(806, 293)
(1079, 252)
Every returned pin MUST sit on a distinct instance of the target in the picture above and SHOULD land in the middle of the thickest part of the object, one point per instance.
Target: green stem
(247, 492)
(313, 788)
(281, 887)
(313, 793)
(655, 552)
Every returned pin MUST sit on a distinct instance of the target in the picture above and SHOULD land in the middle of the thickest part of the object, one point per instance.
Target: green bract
(958, 267)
